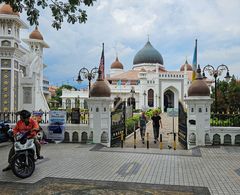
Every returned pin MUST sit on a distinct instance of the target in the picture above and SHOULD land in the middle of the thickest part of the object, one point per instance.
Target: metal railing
(12, 117)
(225, 119)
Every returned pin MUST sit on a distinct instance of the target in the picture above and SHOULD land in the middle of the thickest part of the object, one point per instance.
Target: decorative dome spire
(7, 9)
(148, 54)
(36, 34)
(198, 86)
(100, 87)
(116, 64)
(189, 67)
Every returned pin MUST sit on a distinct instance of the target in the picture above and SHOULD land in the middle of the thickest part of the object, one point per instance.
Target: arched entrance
(168, 100)
(131, 101)
(150, 98)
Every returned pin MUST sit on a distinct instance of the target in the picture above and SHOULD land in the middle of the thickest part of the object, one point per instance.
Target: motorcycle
(23, 161)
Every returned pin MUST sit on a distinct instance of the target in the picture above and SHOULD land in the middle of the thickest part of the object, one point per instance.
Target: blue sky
(124, 25)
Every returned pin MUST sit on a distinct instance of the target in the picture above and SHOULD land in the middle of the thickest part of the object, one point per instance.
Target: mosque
(21, 69)
(148, 85)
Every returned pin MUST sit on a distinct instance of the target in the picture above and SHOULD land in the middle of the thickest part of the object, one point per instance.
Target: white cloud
(123, 26)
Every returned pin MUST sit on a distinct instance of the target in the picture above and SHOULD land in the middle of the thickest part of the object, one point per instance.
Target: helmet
(24, 114)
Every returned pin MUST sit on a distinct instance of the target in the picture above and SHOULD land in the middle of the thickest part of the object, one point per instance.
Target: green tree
(58, 95)
(228, 96)
(70, 10)
(234, 95)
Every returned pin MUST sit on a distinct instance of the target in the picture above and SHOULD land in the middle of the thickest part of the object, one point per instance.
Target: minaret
(35, 68)
(116, 67)
(10, 56)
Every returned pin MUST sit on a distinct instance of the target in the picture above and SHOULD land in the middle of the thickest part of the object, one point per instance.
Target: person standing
(143, 123)
(156, 120)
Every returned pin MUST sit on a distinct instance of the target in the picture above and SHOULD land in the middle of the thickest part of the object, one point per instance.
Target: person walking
(156, 120)
(143, 123)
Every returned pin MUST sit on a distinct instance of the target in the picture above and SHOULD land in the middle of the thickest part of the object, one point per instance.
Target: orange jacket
(21, 127)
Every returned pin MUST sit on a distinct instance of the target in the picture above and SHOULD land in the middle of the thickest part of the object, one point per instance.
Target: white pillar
(100, 118)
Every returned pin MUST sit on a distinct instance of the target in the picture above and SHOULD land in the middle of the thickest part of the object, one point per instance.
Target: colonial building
(148, 85)
(21, 69)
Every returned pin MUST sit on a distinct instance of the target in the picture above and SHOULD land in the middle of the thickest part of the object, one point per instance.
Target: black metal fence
(182, 125)
(12, 117)
(225, 119)
(118, 125)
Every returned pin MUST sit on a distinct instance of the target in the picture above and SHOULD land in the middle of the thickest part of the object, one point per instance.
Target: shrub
(131, 123)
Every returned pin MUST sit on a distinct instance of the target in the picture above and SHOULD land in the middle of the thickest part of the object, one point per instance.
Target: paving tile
(216, 169)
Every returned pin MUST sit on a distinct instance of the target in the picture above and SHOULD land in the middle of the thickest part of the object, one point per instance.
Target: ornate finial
(148, 37)
(115, 48)
(199, 75)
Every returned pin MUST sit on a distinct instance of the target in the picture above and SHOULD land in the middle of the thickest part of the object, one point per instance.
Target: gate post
(99, 111)
(198, 111)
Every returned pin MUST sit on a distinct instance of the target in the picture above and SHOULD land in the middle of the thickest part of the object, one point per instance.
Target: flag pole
(194, 63)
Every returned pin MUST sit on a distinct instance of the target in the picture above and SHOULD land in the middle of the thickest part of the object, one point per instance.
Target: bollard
(134, 145)
(174, 143)
(121, 139)
(161, 144)
(147, 140)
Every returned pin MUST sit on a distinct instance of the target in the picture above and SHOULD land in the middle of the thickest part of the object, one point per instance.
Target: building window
(150, 98)
(206, 110)
(97, 109)
(199, 109)
(192, 109)
(105, 109)
(9, 31)
(27, 95)
(6, 43)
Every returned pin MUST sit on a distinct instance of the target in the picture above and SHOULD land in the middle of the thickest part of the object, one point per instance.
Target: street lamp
(216, 73)
(84, 73)
(132, 95)
(159, 101)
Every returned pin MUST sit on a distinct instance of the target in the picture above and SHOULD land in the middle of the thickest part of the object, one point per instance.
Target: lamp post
(156, 100)
(144, 96)
(159, 101)
(216, 73)
(84, 73)
(132, 95)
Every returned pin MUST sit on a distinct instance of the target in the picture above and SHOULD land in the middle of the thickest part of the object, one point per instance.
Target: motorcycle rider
(25, 124)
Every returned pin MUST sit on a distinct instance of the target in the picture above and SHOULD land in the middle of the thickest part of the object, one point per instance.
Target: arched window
(6, 43)
(68, 103)
(150, 98)
(216, 139)
(227, 139)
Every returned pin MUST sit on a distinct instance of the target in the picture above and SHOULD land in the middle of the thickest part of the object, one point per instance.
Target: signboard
(37, 116)
(57, 120)
(75, 116)
(172, 112)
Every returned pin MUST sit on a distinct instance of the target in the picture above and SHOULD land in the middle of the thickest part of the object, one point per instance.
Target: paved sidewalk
(217, 169)
(166, 131)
